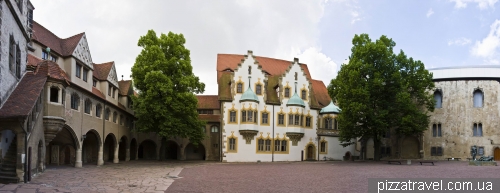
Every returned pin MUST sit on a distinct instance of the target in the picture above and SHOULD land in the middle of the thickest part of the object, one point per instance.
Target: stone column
(127, 154)
(78, 162)
(100, 161)
(115, 157)
(20, 152)
(182, 153)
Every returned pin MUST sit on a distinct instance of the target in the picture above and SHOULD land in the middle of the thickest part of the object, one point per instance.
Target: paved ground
(314, 176)
(154, 176)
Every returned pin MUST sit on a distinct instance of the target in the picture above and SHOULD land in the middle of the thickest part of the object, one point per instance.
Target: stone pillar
(115, 157)
(127, 154)
(20, 154)
(100, 161)
(182, 153)
(78, 162)
(136, 152)
(54, 156)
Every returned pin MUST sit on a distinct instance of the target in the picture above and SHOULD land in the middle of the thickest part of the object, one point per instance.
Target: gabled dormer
(82, 53)
(105, 74)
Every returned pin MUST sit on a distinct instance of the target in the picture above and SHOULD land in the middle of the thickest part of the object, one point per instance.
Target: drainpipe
(272, 150)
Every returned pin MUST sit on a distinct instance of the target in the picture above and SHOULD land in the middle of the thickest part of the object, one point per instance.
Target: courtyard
(156, 176)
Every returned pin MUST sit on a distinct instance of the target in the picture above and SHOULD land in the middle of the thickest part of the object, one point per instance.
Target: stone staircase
(8, 167)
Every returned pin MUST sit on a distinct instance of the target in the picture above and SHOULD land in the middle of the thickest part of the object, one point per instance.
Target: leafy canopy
(163, 75)
(379, 90)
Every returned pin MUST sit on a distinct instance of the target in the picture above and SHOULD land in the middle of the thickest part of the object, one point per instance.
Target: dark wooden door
(67, 155)
(310, 152)
(497, 154)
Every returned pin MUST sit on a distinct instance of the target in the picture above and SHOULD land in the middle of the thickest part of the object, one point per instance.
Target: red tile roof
(98, 93)
(124, 86)
(270, 65)
(52, 70)
(33, 60)
(321, 93)
(208, 102)
(63, 47)
(209, 118)
(101, 71)
(22, 100)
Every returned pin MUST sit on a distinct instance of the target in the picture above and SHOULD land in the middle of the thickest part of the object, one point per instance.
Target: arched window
(215, 129)
(477, 130)
(54, 94)
(438, 97)
(478, 98)
(239, 88)
(88, 106)
(106, 114)
(304, 95)
(287, 92)
(75, 101)
(114, 117)
(258, 89)
(98, 109)
(328, 123)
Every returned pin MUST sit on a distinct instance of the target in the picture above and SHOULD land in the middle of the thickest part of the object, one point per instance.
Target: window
(295, 120)
(249, 116)
(53, 58)
(232, 116)
(85, 73)
(264, 145)
(438, 97)
(114, 117)
(239, 88)
(281, 119)
(477, 130)
(208, 112)
(214, 129)
(265, 117)
(94, 82)
(98, 109)
(478, 98)
(121, 119)
(480, 151)
(308, 121)
(12, 54)
(232, 144)
(18, 62)
(436, 151)
(75, 101)
(287, 92)
(78, 70)
(109, 90)
(54, 94)
(45, 55)
(249, 70)
(304, 95)
(335, 124)
(436, 130)
(106, 114)
(88, 105)
(328, 123)
(322, 147)
(280, 145)
(114, 92)
(258, 89)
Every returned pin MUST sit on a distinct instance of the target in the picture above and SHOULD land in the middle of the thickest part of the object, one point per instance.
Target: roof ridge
(264, 57)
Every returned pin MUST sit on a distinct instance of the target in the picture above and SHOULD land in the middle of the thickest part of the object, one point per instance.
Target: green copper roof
(295, 100)
(331, 108)
(249, 95)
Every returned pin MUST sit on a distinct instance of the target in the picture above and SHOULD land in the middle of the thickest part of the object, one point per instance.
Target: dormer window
(114, 92)
(53, 58)
(94, 82)
(78, 70)
(109, 90)
(45, 55)
(85, 74)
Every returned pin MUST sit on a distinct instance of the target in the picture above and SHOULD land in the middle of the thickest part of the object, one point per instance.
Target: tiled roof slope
(63, 47)
(208, 102)
(52, 70)
(101, 71)
(23, 98)
(274, 69)
(125, 87)
(33, 60)
(209, 118)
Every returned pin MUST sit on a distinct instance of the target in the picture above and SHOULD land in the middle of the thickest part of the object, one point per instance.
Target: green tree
(380, 91)
(166, 101)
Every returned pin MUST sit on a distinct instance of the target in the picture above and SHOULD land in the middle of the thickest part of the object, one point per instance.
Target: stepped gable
(63, 47)
(101, 71)
(274, 69)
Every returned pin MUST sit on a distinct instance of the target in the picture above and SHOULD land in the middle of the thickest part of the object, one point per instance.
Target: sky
(440, 33)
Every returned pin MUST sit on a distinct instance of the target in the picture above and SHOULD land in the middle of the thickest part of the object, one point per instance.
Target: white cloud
(353, 9)
(482, 4)
(320, 66)
(460, 41)
(488, 47)
(429, 13)
(269, 28)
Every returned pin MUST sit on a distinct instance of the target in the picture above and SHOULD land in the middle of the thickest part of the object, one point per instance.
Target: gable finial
(122, 77)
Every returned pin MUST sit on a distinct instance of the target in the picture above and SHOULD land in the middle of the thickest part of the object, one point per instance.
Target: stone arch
(90, 146)
(109, 146)
(147, 150)
(133, 149)
(62, 149)
(347, 156)
(310, 151)
(410, 147)
(122, 148)
(193, 152)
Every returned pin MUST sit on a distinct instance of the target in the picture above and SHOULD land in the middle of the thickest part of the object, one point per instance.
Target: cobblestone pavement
(314, 176)
(133, 176)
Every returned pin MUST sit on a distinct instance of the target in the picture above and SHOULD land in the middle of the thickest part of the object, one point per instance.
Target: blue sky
(318, 32)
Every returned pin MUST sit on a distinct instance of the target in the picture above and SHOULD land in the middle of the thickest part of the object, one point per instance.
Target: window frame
(75, 101)
(87, 106)
(438, 95)
(481, 100)
(78, 70)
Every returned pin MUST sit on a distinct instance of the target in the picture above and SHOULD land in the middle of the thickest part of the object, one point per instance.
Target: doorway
(497, 154)
(310, 152)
